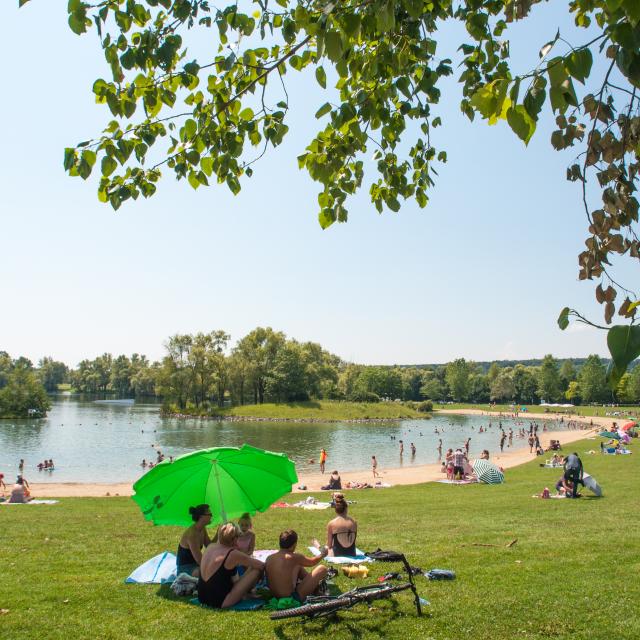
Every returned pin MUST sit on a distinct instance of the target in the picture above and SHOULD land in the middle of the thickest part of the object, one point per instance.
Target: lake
(96, 442)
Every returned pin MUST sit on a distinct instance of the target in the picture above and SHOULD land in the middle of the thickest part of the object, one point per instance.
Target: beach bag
(440, 574)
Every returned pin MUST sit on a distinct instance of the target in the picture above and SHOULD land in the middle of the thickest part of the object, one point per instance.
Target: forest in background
(205, 371)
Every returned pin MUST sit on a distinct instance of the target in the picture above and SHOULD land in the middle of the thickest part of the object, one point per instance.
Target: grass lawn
(572, 573)
(324, 410)
(532, 408)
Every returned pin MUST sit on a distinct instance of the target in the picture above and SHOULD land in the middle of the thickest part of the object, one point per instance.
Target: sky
(481, 273)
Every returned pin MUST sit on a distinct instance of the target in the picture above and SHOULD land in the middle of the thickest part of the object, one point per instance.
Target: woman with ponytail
(342, 530)
(193, 540)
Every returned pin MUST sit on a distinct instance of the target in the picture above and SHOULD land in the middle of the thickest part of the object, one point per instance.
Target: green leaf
(522, 124)
(324, 109)
(333, 44)
(563, 318)
(535, 97)
(108, 166)
(578, 64)
(326, 218)
(246, 114)
(21, 3)
(89, 157)
(321, 77)
(193, 179)
(190, 128)
(207, 165)
(624, 345)
(69, 158)
(351, 24)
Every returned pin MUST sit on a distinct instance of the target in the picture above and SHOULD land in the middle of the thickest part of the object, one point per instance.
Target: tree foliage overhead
(209, 119)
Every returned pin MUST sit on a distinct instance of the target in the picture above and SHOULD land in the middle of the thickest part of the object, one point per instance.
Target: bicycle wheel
(312, 609)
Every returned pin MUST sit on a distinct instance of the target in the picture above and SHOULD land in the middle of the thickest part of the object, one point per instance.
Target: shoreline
(405, 475)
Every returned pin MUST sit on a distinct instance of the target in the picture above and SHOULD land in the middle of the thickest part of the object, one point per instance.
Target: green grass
(532, 408)
(572, 573)
(324, 410)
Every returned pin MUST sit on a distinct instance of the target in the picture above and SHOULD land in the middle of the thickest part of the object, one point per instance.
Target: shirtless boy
(285, 570)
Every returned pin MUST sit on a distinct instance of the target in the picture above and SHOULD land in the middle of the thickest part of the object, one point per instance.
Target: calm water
(92, 442)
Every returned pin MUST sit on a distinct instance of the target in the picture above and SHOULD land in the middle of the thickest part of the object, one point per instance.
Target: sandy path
(414, 474)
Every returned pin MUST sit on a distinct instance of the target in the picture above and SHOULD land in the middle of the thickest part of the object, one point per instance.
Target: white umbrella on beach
(592, 484)
(487, 472)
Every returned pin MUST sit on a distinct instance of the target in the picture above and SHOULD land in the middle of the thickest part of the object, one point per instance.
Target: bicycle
(318, 606)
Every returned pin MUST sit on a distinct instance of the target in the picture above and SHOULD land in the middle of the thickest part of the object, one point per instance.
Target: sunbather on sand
(286, 572)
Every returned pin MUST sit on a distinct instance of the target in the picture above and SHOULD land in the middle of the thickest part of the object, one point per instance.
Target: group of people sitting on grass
(227, 572)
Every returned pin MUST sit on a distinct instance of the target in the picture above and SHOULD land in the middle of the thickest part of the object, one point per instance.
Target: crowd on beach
(461, 468)
(223, 570)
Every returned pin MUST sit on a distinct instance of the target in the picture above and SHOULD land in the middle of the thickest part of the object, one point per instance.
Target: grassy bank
(323, 410)
(532, 408)
(570, 575)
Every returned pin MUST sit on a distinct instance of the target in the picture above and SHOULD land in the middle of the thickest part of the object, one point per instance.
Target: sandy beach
(409, 474)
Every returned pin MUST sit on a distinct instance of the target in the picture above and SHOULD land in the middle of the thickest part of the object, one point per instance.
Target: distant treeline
(205, 371)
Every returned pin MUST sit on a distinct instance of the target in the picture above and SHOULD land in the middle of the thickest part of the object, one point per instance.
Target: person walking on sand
(466, 445)
(374, 467)
(323, 460)
(440, 449)
(503, 437)
(401, 448)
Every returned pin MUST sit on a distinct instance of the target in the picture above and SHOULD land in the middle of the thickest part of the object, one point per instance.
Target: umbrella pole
(223, 513)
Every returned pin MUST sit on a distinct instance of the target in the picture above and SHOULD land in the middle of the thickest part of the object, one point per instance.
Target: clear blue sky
(482, 272)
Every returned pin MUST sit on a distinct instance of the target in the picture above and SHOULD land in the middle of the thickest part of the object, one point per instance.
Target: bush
(364, 396)
(425, 407)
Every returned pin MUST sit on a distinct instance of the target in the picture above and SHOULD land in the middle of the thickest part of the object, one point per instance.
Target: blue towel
(243, 605)
(161, 569)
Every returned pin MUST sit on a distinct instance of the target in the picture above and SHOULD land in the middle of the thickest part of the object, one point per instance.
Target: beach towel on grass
(457, 481)
(243, 605)
(32, 502)
(359, 557)
(161, 569)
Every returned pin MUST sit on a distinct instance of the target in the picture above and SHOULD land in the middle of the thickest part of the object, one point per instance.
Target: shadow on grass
(357, 623)
(165, 592)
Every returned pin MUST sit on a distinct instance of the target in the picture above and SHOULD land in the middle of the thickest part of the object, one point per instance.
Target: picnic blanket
(31, 502)
(445, 481)
(359, 557)
(160, 569)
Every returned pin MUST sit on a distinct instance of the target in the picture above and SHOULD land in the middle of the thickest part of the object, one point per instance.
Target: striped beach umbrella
(487, 472)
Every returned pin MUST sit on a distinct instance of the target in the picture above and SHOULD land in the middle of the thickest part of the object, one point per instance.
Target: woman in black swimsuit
(216, 585)
(342, 530)
(193, 540)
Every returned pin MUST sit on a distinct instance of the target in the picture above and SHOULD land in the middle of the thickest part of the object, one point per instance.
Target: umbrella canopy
(609, 434)
(629, 425)
(230, 480)
(592, 484)
(487, 472)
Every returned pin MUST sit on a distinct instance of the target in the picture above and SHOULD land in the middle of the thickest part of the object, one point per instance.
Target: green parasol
(230, 480)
